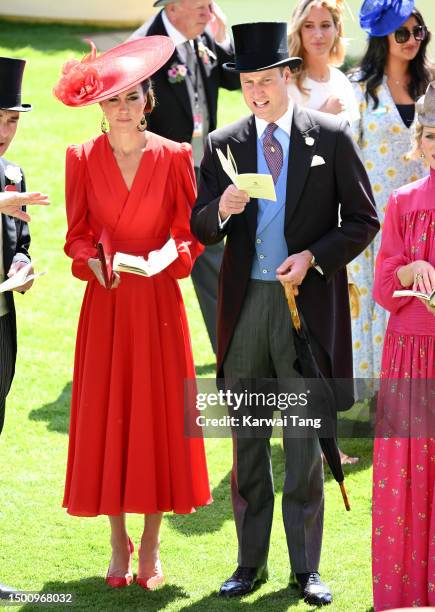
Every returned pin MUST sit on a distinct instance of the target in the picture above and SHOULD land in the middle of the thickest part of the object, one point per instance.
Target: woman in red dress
(403, 544)
(127, 449)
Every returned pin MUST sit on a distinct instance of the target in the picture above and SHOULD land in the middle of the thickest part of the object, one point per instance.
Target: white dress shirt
(284, 122)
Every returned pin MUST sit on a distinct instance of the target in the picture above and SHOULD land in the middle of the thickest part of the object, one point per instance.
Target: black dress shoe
(313, 590)
(243, 581)
(5, 591)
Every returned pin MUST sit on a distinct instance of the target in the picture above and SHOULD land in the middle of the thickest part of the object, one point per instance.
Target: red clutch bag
(105, 254)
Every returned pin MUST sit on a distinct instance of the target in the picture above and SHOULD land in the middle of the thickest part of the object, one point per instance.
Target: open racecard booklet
(429, 297)
(255, 185)
(123, 262)
(156, 262)
(20, 278)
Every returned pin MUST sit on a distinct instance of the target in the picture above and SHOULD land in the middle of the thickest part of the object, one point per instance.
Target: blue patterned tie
(273, 152)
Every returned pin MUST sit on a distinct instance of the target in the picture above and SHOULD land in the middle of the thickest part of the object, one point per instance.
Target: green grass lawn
(41, 547)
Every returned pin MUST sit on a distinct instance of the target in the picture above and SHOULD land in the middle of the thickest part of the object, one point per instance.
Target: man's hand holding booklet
(157, 260)
(20, 278)
(255, 185)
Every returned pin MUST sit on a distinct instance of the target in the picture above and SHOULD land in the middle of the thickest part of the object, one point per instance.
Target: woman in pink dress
(403, 538)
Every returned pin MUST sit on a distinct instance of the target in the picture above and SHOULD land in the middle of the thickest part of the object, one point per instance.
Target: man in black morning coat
(14, 232)
(186, 109)
(315, 167)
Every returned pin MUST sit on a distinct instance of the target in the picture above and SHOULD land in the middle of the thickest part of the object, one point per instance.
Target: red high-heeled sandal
(155, 580)
(117, 582)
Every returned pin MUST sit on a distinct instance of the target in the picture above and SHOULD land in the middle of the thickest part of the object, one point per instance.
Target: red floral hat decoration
(96, 79)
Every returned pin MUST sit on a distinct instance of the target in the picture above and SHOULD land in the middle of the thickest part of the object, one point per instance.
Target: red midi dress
(127, 448)
(403, 539)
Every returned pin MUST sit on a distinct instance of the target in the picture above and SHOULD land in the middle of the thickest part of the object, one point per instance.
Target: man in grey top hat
(187, 90)
(14, 232)
(296, 239)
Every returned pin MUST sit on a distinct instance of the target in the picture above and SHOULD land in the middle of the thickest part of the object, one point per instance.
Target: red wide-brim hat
(96, 79)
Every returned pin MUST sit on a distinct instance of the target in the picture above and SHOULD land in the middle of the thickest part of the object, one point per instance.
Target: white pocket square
(317, 161)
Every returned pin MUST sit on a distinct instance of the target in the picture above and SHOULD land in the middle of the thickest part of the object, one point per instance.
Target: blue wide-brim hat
(382, 17)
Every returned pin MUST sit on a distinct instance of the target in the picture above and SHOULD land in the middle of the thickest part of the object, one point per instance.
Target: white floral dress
(384, 141)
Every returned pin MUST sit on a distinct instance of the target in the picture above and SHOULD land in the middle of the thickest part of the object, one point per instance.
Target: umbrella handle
(288, 288)
(345, 497)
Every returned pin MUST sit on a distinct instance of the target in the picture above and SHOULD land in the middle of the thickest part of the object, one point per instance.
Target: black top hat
(260, 46)
(11, 77)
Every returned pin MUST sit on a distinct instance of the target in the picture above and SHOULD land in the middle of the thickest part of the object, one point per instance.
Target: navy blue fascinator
(382, 17)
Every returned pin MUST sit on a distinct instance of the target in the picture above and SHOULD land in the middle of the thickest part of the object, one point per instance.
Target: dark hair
(372, 66)
(147, 88)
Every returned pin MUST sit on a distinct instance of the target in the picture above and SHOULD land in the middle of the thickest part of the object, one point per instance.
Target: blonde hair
(415, 152)
(338, 51)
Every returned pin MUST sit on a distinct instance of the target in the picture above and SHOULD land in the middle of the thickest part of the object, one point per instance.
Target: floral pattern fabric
(403, 530)
(384, 141)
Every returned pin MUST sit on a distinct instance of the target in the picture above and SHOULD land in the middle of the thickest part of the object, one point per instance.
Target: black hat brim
(292, 62)
(24, 108)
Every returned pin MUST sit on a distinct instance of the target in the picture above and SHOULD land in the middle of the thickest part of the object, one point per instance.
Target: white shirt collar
(177, 37)
(284, 122)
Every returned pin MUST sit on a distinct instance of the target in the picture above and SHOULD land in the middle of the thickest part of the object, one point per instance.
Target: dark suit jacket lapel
(8, 225)
(300, 158)
(243, 146)
(157, 28)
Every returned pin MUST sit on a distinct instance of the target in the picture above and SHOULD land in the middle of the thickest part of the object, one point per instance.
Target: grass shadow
(211, 518)
(207, 368)
(56, 414)
(354, 447)
(47, 37)
(278, 601)
(93, 594)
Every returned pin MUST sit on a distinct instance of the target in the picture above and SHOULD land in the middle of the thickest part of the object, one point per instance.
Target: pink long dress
(403, 533)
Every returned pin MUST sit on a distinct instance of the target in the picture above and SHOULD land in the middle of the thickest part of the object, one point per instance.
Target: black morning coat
(314, 194)
(172, 116)
(16, 241)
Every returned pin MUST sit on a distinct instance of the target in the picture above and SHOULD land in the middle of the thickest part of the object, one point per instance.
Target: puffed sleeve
(391, 257)
(80, 242)
(188, 247)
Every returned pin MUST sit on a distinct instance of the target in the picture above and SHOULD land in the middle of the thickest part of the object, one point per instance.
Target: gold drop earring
(143, 124)
(103, 125)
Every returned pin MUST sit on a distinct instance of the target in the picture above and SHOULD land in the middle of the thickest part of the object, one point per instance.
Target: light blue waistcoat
(270, 245)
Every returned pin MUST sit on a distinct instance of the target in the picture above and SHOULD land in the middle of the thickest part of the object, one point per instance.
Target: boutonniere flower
(13, 174)
(177, 73)
(205, 53)
(309, 141)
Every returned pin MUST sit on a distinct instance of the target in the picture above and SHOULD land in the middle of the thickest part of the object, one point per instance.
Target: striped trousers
(7, 359)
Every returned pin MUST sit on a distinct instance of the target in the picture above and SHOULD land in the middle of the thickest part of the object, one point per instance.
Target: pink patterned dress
(403, 535)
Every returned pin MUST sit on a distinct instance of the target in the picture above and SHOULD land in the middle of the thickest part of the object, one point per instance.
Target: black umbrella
(307, 367)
